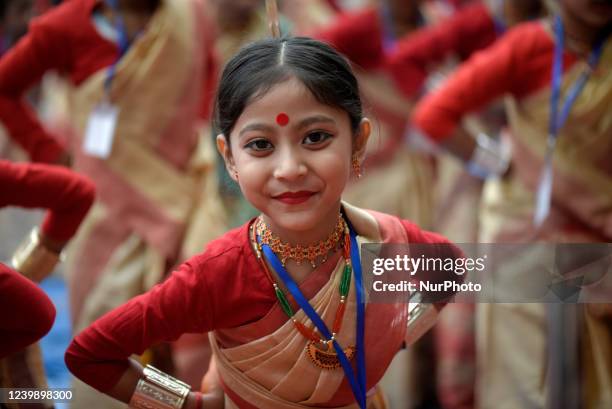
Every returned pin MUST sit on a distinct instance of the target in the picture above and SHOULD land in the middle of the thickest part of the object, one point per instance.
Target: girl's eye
(317, 137)
(259, 145)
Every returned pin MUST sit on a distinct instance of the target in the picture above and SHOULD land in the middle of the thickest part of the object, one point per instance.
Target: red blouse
(27, 313)
(518, 64)
(224, 287)
(67, 195)
(357, 35)
(470, 29)
(63, 40)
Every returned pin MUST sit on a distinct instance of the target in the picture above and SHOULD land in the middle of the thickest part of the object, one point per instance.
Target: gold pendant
(327, 359)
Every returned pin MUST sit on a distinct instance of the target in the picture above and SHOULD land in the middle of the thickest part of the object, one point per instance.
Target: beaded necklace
(320, 350)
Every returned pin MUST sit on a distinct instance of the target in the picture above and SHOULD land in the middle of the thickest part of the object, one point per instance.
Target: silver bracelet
(158, 390)
(421, 318)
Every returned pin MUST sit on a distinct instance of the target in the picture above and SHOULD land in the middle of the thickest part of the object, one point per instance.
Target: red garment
(224, 287)
(472, 28)
(27, 314)
(357, 35)
(67, 195)
(63, 40)
(518, 64)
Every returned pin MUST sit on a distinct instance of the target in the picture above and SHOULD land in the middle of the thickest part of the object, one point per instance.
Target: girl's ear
(361, 141)
(224, 150)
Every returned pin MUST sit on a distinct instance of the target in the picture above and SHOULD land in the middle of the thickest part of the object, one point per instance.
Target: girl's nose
(290, 165)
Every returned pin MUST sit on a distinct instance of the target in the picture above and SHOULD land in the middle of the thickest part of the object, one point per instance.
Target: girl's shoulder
(386, 228)
(227, 273)
(227, 250)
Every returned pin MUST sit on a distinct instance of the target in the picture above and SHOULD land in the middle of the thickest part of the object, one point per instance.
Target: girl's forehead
(289, 89)
(285, 103)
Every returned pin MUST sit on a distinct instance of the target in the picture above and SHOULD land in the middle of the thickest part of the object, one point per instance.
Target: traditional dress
(147, 180)
(513, 368)
(156, 179)
(260, 355)
(27, 313)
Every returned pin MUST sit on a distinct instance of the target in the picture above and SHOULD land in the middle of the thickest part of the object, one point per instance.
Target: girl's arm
(504, 68)
(99, 355)
(44, 48)
(66, 194)
(27, 312)
(124, 389)
(415, 55)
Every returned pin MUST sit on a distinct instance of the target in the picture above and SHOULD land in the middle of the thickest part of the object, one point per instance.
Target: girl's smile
(293, 170)
(294, 198)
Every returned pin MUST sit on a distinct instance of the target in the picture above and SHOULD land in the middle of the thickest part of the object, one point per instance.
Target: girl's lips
(294, 197)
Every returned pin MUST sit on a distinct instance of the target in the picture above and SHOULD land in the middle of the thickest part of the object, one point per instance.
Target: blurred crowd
(459, 94)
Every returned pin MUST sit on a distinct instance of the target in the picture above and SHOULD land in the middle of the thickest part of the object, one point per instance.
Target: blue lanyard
(357, 383)
(557, 119)
(556, 122)
(124, 43)
(388, 36)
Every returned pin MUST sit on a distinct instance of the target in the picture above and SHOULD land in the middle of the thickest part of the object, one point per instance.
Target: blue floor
(55, 343)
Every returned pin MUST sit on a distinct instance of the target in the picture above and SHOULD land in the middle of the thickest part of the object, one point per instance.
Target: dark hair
(260, 65)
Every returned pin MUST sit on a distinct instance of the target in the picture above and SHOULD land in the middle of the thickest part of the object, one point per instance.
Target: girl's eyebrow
(255, 127)
(302, 124)
(315, 119)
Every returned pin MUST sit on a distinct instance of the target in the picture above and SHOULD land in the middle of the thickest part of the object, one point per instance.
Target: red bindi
(282, 119)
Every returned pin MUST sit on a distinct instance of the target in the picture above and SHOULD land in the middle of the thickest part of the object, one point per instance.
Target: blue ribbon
(357, 383)
(556, 120)
(124, 43)
(356, 263)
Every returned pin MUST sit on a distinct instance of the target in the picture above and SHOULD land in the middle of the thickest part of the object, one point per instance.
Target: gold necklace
(286, 251)
(320, 351)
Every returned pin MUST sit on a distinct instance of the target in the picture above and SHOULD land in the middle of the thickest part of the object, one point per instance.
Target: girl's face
(292, 157)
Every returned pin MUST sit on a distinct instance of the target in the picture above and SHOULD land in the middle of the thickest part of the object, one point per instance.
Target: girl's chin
(299, 221)
(294, 221)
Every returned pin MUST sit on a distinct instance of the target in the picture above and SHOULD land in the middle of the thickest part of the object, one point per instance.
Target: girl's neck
(580, 36)
(321, 231)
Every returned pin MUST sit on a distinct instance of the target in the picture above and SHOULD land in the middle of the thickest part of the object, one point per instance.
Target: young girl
(292, 133)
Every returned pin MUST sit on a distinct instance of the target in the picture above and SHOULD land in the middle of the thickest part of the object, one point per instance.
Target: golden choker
(299, 253)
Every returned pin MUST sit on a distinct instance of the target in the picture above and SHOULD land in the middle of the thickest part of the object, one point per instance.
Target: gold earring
(356, 167)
